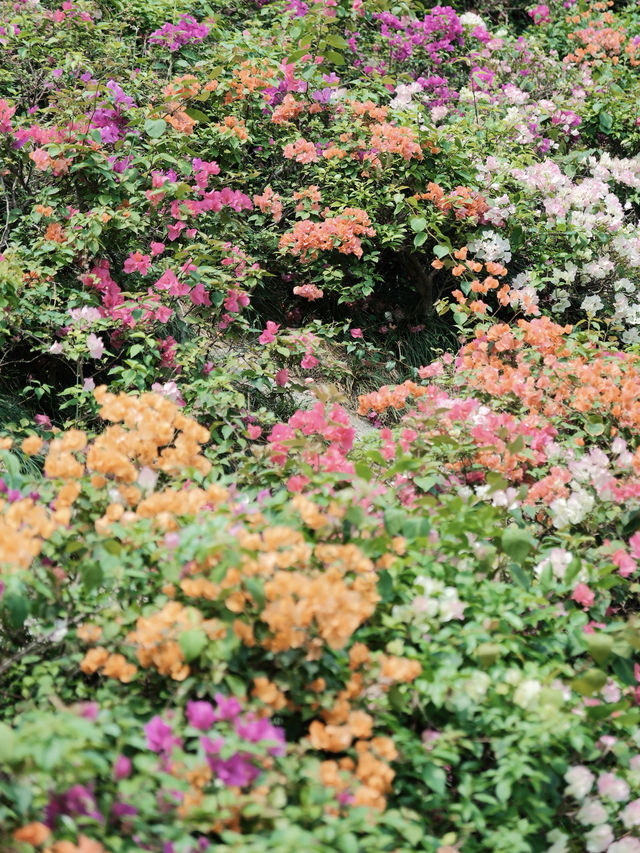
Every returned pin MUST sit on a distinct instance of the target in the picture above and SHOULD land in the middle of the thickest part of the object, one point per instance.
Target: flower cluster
(342, 232)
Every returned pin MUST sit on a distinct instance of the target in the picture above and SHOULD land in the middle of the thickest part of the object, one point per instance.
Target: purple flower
(159, 735)
(258, 729)
(212, 747)
(90, 710)
(175, 36)
(123, 809)
(228, 707)
(236, 771)
(121, 767)
(78, 800)
(201, 715)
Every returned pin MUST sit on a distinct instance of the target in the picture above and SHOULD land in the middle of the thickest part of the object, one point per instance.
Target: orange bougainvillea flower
(93, 660)
(32, 445)
(117, 666)
(89, 633)
(269, 693)
(55, 233)
(400, 669)
(358, 654)
(330, 738)
(33, 833)
(361, 724)
(184, 87)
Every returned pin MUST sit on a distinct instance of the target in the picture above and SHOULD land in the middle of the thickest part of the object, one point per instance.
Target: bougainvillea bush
(319, 427)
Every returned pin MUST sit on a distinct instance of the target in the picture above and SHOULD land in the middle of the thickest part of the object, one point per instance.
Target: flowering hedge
(319, 427)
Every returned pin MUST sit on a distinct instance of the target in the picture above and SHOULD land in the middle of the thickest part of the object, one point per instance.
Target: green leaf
(589, 682)
(348, 843)
(420, 239)
(600, 646)
(488, 653)
(435, 778)
(155, 127)
(385, 585)
(197, 115)
(8, 739)
(594, 427)
(426, 483)
(519, 576)
(606, 121)
(503, 790)
(573, 570)
(394, 520)
(516, 237)
(418, 223)
(192, 642)
(336, 58)
(18, 607)
(92, 575)
(355, 515)
(517, 543)
(623, 668)
(363, 471)
(337, 41)
(496, 481)
(256, 588)
(516, 445)
(441, 251)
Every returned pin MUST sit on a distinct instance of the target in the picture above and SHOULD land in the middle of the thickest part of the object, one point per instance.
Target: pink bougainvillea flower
(175, 229)
(137, 262)
(200, 296)
(308, 291)
(269, 334)
(634, 545)
(282, 377)
(625, 563)
(356, 333)
(583, 595)
(297, 482)
(157, 248)
(95, 345)
(169, 281)
(540, 14)
(254, 431)
(122, 767)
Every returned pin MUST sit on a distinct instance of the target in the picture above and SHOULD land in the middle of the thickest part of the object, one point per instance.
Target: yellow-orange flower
(33, 833)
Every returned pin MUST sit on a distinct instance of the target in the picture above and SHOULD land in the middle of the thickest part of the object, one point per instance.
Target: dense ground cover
(319, 427)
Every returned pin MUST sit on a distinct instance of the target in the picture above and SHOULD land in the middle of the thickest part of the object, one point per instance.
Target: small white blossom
(591, 813)
(580, 781)
(599, 838)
